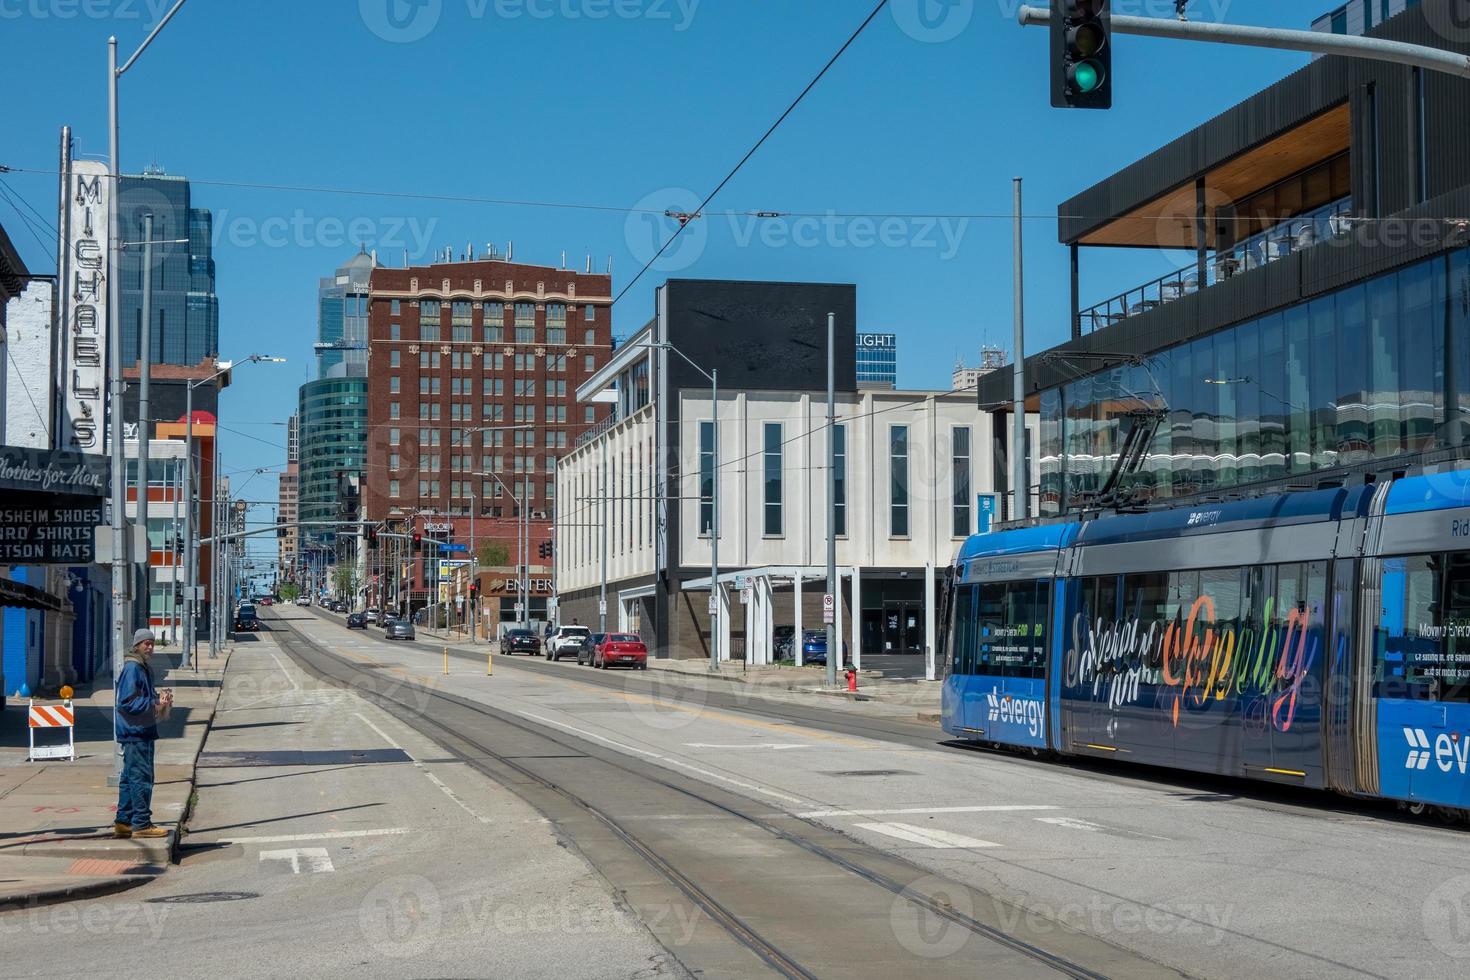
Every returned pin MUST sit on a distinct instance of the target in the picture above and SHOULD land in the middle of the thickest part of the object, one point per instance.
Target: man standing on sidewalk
(139, 706)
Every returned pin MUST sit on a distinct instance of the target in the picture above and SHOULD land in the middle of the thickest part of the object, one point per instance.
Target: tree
(494, 554)
(344, 579)
(289, 591)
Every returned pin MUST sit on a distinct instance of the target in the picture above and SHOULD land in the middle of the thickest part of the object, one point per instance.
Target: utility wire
(752, 151)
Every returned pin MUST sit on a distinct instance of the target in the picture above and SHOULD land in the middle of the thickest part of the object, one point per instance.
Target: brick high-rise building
(463, 353)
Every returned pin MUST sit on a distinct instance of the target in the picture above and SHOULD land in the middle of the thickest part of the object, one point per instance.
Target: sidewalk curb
(70, 893)
(180, 831)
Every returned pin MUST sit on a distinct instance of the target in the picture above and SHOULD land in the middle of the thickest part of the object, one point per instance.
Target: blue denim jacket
(135, 699)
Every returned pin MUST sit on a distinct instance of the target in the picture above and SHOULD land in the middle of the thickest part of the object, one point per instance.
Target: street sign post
(829, 608)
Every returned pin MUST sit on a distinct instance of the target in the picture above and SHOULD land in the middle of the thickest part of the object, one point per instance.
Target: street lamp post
(713, 376)
(191, 542)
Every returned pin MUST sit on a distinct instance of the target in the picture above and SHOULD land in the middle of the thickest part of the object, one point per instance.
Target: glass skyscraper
(342, 317)
(333, 421)
(877, 360)
(185, 328)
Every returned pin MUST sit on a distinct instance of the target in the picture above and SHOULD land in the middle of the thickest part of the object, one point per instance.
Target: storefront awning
(18, 595)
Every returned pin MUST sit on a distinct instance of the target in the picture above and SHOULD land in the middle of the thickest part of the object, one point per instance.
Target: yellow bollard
(446, 661)
(489, 664)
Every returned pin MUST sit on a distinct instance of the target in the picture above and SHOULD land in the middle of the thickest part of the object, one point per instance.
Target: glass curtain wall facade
(333, 433)
(185, 328)
(1373, 371)
(342, 318)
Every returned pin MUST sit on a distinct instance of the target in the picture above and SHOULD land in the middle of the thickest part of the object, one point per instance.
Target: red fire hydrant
(851, 681)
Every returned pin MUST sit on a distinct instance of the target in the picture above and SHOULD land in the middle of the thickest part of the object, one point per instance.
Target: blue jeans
(135, 788)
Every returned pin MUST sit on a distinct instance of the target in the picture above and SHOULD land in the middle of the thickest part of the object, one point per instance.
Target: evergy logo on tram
(1449, 751)
(1018, 711)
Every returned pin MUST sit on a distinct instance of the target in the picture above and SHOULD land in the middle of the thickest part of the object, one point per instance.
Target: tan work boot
(152, 830)
(120, 829)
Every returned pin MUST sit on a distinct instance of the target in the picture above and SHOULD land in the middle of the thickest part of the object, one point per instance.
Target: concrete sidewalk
(56, 818)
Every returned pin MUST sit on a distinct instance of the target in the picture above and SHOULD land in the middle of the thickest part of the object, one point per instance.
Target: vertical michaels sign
(83, 349)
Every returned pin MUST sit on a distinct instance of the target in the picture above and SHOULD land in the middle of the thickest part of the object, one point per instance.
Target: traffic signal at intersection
(1081, 54)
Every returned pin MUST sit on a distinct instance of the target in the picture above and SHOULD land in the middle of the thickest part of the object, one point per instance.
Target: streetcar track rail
(731, 922)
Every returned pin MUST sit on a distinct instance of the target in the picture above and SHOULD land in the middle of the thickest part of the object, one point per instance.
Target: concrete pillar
(857, 617)
(768, 627)
(835, 656)
(930, 653)
(724, 597)
(796, 620)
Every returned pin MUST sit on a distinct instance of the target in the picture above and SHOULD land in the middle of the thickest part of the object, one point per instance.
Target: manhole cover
(200, 898)
(874, 772)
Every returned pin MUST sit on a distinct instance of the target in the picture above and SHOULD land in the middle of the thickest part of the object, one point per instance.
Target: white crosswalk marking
(997, 808)
(313, 859)
(925, 835)
(1071, 823)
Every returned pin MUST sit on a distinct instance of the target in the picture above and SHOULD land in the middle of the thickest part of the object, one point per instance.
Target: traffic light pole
(1316, 42)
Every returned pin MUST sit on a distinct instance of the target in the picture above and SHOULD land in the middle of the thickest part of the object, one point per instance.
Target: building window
(556, 323)
(706, 476)
(961, 466)
(393, 411)
(394, 435)
(589, 313)
(429, 319)
(839, 475)
(423, 488)
(591, 338)
(393, 461)
(898, 465)
(589, 414)
(494, 323)
(772, 477)
(395, 359)
(395, 331)
(525, 323)
(589, 363)
(397, 307)
(393, 487)
(525, 387)
(393, 385)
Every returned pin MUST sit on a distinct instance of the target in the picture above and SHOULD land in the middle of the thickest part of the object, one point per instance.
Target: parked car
(372, 614)
(521, 641)
(398, 629)
(567, 642)
(621, 650)
(245, 619)
(265, 600)
(303, 600)
(357, 621)
(589, 649)
(814, 648)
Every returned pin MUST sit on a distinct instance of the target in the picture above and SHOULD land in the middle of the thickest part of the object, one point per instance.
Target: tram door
(903, 627)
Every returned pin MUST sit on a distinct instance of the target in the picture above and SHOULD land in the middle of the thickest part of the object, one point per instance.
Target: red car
(621, 650)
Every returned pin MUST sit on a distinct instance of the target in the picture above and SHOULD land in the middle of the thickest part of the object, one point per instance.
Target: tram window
(1009, 637)
(1409, 647)
(1455, 668)
(964, 632)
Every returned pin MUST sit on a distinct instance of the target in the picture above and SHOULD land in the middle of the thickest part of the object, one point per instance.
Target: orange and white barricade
(53, 716)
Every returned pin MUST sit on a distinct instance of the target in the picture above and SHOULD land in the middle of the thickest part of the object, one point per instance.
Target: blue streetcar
(1320, 639)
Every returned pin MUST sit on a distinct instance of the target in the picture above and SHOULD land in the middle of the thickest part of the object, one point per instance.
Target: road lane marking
(666, 759)
(325, 835)
(1088, 826)
(750, 745)
(927, 836)
(443, 786)
(289, 679)
(814, 814)
(313, 859)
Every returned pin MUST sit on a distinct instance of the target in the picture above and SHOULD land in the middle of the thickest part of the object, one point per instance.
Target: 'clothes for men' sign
(44, 472)
(43, 529)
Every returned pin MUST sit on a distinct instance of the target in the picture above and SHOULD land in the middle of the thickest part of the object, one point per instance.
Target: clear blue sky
(618, 103)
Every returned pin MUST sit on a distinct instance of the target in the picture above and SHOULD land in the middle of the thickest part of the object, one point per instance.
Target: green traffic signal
(1086, 77)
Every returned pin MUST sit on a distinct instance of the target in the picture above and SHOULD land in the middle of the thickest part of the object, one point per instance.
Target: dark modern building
(332, 419)
(877, 360)
(185, 328)
(1317, 329)
(342, 318)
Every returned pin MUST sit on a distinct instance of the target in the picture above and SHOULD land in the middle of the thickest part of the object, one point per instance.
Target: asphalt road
(1205, 875)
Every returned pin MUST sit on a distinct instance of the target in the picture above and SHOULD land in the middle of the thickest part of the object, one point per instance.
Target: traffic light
(545, 549)
(1081, 54)
(418, 539)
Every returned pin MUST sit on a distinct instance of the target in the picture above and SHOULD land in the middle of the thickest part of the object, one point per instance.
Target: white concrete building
(635, 507)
